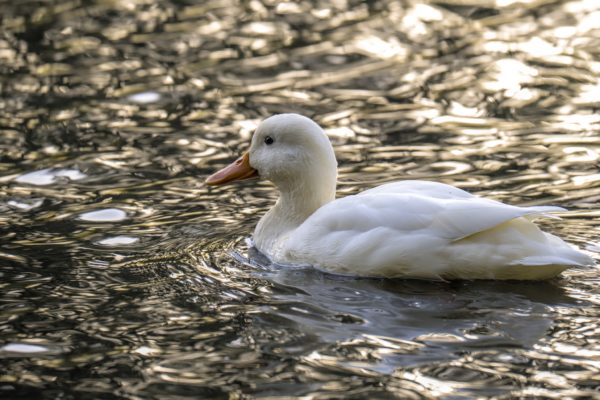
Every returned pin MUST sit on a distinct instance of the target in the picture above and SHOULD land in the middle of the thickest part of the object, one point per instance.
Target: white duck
(411, 229)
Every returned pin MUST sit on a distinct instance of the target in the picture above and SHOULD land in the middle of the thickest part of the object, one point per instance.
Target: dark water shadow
(447, 317)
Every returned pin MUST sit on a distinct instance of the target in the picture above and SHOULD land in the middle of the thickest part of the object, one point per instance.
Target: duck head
(291, 151)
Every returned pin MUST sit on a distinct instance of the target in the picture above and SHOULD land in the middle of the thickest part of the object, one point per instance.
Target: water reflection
(132, 279)
(144, 97)
(118, 241)
(23, 348)
(49, 176)
(105, 215)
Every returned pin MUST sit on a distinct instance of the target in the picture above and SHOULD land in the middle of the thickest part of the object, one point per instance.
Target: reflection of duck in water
(412, 229)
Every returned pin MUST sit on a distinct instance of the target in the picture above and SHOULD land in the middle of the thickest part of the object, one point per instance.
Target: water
(124, 276)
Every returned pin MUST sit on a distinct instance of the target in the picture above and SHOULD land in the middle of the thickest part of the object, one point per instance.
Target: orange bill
(238, 170)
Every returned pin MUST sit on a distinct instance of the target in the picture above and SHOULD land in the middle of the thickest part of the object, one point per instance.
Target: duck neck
(296, 203)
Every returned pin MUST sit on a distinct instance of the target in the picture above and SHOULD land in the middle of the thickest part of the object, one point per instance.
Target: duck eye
(269, 140)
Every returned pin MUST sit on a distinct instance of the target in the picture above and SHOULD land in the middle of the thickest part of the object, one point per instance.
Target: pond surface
(124, 277)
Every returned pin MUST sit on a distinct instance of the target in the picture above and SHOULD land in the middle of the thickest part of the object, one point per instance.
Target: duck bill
(238, 170)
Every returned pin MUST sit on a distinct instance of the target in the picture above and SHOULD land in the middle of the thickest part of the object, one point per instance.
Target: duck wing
(444, 210)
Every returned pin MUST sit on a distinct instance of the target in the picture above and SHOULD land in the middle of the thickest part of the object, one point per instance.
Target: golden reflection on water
(124, 276)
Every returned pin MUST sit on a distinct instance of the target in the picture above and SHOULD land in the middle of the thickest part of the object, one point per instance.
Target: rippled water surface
(124, 276)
